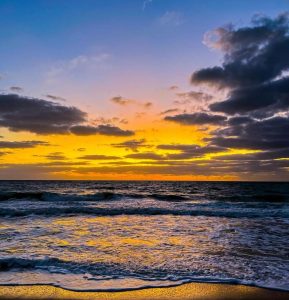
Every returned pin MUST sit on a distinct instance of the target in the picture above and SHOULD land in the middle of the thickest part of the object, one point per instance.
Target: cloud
(16, 89)
(55, 156)
(252, 55)
(113, 131)
(146, 3)
(79, 62)
(267, 134)
(124, 102)
(19, 113)
(100, 129)
(2, 153)
(55, 98)
(147, 104)
(187, 151)
(22, 144)
(145, 155)
(265, 99)
(133, 145)
(121, 101)
(194, 96)
(171, 18)
(254, 77)
(169, 111)
(173, 88)
(196, 119)
(102, 120)
(250, 170)
(99, 157)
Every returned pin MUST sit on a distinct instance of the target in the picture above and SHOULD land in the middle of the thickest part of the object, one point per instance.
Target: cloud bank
(20, 113)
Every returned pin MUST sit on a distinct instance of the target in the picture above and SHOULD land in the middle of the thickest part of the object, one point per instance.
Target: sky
(144, 90)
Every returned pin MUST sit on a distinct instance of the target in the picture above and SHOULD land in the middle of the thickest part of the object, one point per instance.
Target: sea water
(117, 235)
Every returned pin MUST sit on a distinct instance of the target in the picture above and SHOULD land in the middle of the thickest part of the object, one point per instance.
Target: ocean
(119, 235)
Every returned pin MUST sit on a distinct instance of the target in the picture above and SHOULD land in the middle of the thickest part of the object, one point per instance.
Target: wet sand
(185, 291)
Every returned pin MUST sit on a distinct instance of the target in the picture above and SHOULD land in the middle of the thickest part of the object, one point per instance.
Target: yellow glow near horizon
(149, 127)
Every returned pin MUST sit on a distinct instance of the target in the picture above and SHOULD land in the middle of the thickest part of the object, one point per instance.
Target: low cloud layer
(196, 119)
(21, 144)
(133, 145)
(99, 157)
(100, 129)
(19, 113)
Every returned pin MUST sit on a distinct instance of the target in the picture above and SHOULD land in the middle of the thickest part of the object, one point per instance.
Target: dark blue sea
(113, 235)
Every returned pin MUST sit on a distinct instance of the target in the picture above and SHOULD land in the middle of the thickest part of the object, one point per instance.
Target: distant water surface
(108, 235)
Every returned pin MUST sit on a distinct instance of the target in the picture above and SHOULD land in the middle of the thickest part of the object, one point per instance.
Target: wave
(55, 265)
(103, 271)
(113, 196)
(148, 211)
(168, 197)
(49, 196)
(273, 198)
(100, 196)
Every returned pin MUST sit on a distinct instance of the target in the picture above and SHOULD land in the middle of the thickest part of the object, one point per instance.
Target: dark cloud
(263, 100)
(239, 120)
(257, 156)
(169, 111)
(55, 156)
(125, 101)
(18, 113)
(197, 119)
(121, 101)
(252, 55)
(254, 75)
(133, 145)
(145, 155)
(195, 96)
(54, 98)
(113, 131)
(84, 130)
(100, 129)
(16, 89)
(21, 144)
(272, 133)
(99, 157)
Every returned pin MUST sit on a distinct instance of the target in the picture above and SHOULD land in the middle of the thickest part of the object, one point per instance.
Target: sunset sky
(144, 89)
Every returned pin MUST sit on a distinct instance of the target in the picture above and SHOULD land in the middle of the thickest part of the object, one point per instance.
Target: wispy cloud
(146, 3)
(54, 98)
(75, 63)
(125, 101)
(171, 18)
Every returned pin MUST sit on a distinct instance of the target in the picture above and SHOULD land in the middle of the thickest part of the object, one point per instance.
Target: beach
(186, 291)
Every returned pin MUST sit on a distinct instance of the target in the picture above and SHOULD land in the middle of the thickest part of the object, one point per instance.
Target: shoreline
(186, 291)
